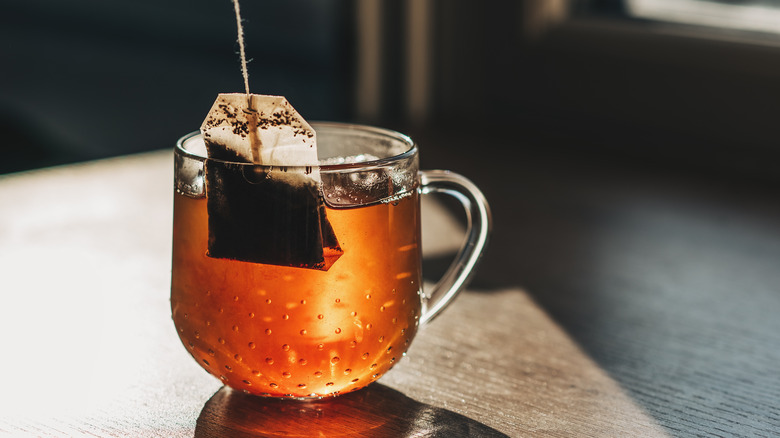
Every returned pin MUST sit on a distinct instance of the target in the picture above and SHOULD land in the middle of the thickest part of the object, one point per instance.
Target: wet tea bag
(274, 213)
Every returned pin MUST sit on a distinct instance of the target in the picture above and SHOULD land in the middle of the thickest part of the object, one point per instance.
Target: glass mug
(281, 331)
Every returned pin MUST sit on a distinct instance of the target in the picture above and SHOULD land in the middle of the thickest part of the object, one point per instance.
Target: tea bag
(274, 214)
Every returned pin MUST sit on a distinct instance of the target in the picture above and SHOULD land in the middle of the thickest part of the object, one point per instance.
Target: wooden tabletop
(89, 348)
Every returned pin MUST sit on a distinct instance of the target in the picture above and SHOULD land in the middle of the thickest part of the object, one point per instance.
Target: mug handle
(478, 224)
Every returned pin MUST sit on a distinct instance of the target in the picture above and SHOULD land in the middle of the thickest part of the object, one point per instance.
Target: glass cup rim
(379, 162)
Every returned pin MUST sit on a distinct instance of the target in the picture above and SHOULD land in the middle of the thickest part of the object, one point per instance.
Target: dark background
(630, 163)
(86, 79)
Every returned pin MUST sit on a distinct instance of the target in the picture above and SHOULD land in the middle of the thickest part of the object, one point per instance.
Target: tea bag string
(254, 138)
(244, 71)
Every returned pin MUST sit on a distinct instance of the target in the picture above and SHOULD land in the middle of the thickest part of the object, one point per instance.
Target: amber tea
(286, 331)
(279, 330)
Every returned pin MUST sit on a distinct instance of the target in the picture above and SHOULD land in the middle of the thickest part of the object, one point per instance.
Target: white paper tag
(260, 129)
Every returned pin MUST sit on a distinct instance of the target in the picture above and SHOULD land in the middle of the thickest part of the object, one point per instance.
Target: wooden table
(89, 347)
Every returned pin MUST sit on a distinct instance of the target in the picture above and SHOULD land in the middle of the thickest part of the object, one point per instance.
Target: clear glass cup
(284, 331)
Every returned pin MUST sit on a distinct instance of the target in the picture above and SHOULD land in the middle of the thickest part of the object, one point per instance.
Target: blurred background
(684, 83)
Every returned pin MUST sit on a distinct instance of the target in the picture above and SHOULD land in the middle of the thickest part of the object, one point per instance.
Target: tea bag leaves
(274, 213)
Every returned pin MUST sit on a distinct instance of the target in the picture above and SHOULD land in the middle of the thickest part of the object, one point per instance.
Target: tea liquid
(282, 331)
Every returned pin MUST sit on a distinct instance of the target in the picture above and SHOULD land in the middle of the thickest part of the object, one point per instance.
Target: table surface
(645, 308)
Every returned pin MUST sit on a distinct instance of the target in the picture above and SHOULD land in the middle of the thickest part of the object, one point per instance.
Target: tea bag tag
(259, 129)
(263, 189)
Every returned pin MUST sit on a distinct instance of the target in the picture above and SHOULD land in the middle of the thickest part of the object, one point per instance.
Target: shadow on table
(376, 411)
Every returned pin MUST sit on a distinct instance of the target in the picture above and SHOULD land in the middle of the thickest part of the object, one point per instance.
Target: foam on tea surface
(352, 159)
